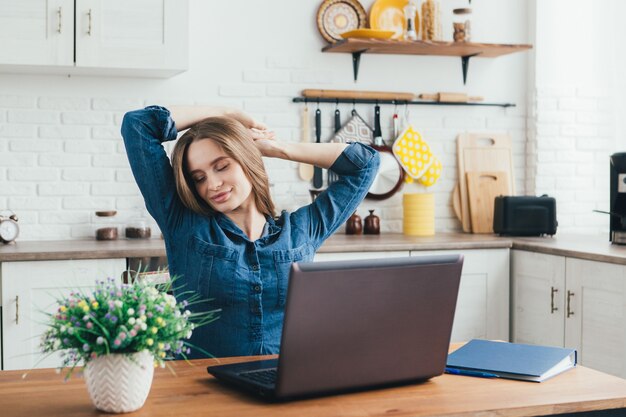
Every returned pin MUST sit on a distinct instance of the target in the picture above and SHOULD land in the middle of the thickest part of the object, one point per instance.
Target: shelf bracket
(465, 64)
(356, 61)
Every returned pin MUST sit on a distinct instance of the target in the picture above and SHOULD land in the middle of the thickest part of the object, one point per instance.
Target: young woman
(216, 214)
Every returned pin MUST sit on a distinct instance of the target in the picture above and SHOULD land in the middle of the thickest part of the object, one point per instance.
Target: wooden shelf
(464, 50)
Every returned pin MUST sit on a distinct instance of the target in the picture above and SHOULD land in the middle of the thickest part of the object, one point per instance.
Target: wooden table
(193, 392)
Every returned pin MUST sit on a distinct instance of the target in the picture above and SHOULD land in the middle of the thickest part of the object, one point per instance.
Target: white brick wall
(61, 156)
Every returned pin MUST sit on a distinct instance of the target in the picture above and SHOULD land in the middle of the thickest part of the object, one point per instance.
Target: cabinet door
(29, 290)
(37, 32)
(482, 309)
(150, 34)
(595, 323)
(538, 297)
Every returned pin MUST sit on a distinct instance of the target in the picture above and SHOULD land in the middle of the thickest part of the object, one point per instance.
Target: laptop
(354, 325)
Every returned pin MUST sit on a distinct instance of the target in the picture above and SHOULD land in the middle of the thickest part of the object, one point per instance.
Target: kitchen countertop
(590, 247)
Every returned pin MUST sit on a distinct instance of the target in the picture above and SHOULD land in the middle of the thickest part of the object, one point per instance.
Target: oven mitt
(432, 174)
(355, 130)
(413, 153)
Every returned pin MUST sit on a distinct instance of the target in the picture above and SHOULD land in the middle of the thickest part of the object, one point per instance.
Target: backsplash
(63, 158)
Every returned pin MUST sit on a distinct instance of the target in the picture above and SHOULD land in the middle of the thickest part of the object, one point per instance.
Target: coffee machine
(618, 198)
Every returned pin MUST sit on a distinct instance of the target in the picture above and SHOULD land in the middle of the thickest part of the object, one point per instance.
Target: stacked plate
(419, 214)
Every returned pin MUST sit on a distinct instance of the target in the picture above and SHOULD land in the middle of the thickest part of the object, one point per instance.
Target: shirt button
(257, 288)
(255, 267)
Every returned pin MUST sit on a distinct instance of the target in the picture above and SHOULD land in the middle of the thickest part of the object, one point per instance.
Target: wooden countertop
(591, 247)
(193, 392)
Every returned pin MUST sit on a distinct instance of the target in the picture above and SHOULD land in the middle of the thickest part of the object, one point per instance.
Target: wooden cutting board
(482, 189)
(485, 152)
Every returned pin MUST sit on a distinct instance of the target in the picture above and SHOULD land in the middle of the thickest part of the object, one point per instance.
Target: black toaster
(524, 215)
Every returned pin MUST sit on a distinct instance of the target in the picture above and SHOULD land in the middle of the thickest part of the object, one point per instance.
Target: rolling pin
(347, 94)
(450, 97)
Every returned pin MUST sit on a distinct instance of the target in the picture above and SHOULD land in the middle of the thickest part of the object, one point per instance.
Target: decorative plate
(368, 34)
(337, 16)
(389, 15)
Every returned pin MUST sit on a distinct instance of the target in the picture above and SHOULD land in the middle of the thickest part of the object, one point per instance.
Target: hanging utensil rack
(398, 102)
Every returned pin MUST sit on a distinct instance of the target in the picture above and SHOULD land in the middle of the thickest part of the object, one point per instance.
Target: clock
(9, 230)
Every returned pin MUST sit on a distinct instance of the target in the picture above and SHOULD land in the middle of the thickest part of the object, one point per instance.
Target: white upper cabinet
(97, 37)
(37, 32)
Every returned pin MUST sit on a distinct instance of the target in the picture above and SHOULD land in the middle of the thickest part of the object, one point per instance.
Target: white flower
(188, 334)
(63, 328)
(118, 303)
(144, 326)
(187, 313)
(130, 311)
(131, 321)
(100, 340)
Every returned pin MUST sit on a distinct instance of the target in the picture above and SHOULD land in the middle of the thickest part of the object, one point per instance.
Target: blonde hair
(238, 144)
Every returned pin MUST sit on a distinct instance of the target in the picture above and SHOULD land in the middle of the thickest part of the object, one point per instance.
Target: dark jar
(372, 224)
(354, 226)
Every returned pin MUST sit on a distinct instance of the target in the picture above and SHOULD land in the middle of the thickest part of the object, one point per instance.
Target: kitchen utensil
(368, 34)
(482, 189)
(482, 152)
(389, 15)
(351, 94)
(412, 152)
(390, 176)
(337, 16)
(305, 170)
(450, 97)
(317, 171)
(456, 202)
(432, 174)
(332, 177)
(524, 215)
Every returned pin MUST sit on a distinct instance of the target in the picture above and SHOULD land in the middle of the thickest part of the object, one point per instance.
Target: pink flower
(117, 342)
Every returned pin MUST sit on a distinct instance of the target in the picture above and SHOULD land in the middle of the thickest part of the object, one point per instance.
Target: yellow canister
(418, 214)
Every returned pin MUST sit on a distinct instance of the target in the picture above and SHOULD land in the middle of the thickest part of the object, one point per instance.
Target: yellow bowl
(368, 34)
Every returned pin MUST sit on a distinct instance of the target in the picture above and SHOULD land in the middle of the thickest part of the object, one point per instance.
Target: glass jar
(461, 25)
(138, 229)
(106, 227)
(431, 20)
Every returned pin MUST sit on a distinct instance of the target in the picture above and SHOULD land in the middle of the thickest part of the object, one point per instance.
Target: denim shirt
(212, 256)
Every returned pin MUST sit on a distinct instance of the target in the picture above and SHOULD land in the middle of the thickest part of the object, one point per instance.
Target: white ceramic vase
(120, 383)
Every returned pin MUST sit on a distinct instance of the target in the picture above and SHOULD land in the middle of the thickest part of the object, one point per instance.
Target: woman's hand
(264, 141)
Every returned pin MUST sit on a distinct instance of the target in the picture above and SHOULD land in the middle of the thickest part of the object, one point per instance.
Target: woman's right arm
(144, 132)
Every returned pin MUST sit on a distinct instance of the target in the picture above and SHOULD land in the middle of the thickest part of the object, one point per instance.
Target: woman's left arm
(322, 155)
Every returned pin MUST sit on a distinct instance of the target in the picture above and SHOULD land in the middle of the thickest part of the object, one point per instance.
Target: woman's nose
(214, 184)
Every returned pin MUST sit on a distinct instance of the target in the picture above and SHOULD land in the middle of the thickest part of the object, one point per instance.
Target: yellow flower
(82, 303)
(149, 342)
(154, 330)
(162, 354)
(62, 309)
(161, 345)
(86, 308)
(95, 305)
(159, 320)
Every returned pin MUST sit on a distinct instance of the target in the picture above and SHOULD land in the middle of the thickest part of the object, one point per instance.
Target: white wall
(61, 156)
(578, 108)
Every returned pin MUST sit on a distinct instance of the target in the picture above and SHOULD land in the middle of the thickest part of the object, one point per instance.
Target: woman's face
(218, 178)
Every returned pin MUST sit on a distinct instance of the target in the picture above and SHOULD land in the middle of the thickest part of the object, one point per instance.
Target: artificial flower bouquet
(122, 319)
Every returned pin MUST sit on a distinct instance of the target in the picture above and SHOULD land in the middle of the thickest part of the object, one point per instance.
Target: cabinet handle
(60, 16)
(89, 28)
(570, 294)
(552, 307)
(17, 309)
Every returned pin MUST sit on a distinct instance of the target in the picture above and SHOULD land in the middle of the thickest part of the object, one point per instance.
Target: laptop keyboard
(264, 376)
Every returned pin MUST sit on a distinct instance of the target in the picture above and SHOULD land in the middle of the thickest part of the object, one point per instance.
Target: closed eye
(198, 179)
(222, 167)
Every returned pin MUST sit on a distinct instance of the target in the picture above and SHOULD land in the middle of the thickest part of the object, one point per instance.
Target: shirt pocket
(282, 262)
(211, 270)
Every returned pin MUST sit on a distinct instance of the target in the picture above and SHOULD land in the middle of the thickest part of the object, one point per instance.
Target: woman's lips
(221, 197)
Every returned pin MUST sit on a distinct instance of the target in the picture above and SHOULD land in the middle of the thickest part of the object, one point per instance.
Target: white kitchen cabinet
(482, 309)
(108, 37)
(586, 313)
(29, 290)
(538, 294)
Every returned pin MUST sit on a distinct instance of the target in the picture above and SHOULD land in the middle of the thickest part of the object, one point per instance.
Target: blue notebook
(486, 358)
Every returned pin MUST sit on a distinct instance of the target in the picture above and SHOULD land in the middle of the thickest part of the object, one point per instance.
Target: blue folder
(486, 358)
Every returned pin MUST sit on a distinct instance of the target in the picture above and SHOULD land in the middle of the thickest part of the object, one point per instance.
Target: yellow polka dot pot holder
(416, 158)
